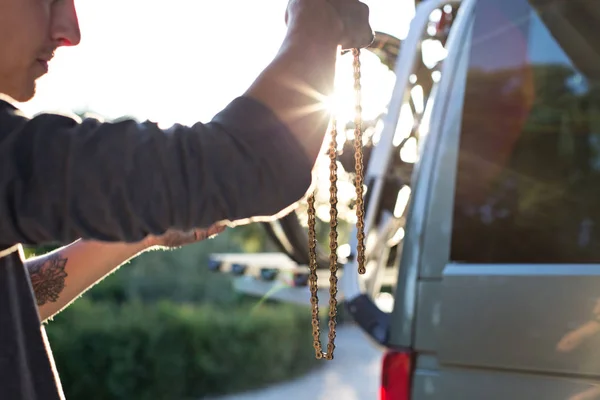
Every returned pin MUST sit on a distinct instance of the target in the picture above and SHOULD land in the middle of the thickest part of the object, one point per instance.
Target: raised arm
(63, 180)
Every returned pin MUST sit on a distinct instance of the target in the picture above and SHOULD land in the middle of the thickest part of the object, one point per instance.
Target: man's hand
(173, 238)
(347, 20)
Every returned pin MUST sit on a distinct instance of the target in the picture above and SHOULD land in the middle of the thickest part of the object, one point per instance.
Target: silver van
(498, 290)
(483, 277)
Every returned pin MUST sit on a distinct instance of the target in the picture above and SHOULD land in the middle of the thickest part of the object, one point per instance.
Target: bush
(165, 327)
(176, 351)
(181, 275)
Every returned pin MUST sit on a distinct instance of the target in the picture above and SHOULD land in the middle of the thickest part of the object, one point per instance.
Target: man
(114, 189)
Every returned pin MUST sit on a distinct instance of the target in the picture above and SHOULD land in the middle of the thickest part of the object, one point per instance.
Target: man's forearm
(61, 276)
(295, 85)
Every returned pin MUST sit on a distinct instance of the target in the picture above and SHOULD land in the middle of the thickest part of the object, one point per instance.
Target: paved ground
(352, 375)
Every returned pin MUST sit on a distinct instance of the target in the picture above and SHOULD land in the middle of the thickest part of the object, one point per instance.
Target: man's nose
(65, 24)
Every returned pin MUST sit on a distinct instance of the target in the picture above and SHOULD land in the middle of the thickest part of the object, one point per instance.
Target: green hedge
(174, 351)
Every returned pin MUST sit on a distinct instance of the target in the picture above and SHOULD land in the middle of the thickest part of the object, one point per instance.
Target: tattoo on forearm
(47, 277)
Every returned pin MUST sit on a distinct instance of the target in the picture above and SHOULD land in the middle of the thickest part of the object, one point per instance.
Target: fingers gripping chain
(333, 221)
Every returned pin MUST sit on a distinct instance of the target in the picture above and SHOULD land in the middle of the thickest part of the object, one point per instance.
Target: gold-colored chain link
(358, 161)
(333, 222)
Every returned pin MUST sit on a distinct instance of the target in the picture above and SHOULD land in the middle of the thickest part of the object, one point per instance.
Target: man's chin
(24, 94)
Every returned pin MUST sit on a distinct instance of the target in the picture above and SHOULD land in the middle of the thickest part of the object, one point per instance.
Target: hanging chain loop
(333, 222)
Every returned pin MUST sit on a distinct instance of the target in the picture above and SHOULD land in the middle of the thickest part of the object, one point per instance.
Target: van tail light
(396, 373)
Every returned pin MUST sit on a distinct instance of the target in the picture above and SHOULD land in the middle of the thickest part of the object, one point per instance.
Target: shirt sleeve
(63, 179)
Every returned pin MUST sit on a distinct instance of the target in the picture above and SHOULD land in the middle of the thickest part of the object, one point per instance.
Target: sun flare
(377, 83)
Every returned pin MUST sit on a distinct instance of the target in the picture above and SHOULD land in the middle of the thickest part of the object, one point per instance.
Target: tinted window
(528, 183)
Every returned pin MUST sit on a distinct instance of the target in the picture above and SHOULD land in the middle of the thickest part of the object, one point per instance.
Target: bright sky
(177, 60)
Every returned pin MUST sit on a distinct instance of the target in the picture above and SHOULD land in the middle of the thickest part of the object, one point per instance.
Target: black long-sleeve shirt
(120, 181)
(63, 179)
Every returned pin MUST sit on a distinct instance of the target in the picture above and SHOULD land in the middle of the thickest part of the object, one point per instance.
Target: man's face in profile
(30, 32)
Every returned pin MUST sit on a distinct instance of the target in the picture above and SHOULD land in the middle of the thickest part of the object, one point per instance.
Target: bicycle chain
(333, 222)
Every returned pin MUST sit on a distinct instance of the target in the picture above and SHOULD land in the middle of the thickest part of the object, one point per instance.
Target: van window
(528, 173)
